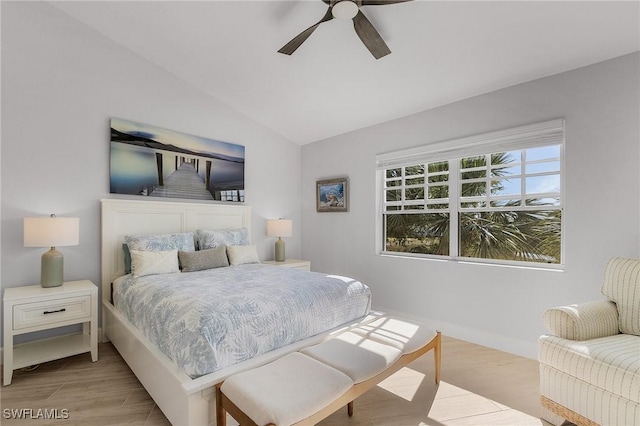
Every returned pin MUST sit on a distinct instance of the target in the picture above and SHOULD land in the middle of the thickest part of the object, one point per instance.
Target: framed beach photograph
(332, 195)
(152, 161)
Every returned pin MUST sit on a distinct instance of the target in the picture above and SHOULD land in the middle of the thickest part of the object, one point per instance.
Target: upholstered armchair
(590, 360)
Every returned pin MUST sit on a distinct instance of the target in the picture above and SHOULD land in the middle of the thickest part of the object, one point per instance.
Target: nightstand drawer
(51, 311)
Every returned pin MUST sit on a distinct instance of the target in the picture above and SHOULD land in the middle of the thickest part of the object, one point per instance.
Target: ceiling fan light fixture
(345, 9)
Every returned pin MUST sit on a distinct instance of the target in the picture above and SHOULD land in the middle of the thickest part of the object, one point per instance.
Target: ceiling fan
(348, 9)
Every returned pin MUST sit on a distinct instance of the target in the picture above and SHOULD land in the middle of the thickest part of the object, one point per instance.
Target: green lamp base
(279, 250)
(51, 269)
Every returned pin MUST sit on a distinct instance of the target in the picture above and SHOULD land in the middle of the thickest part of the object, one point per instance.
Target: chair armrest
(584, 321)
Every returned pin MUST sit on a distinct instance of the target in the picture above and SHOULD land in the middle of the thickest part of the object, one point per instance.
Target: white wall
(495, 306)
(61, 82)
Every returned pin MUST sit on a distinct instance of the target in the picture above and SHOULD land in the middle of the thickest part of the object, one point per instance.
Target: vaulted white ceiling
(442, 51)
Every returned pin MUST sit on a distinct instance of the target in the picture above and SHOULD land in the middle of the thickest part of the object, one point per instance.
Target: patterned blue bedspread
(208, 320)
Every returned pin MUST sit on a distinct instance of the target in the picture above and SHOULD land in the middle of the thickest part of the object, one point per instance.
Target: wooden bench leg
(437, 356)
(221, 414)
(350, 409)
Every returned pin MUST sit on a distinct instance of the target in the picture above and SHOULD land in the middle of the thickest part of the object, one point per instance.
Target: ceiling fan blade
(291, 47)
(381, 2)
(370, 36)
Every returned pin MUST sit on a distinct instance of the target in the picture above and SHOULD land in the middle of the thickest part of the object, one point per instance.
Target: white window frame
(547, 133)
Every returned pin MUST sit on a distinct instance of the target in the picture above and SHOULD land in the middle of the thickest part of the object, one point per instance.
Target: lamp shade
(279, 228)
(51, 231)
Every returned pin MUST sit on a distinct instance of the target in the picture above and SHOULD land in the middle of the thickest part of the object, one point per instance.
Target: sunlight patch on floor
(455, 406)
(403, 383)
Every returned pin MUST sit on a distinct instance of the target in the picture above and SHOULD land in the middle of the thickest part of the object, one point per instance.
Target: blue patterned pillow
(161, 242)
(233, 237)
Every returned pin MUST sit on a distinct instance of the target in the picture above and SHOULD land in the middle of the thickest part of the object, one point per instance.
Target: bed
(184, 391)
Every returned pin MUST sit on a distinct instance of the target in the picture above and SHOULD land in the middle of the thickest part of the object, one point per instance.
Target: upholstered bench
(302, 388)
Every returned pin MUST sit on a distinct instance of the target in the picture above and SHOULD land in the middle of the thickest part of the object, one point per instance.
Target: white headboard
(123, 216)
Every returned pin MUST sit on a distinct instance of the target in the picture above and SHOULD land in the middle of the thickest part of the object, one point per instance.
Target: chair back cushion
(622, 285)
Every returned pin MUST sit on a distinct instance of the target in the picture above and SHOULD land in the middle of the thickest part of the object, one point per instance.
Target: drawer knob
(54, 312)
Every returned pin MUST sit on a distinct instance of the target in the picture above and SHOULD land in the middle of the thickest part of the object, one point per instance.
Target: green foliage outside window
(489, 226)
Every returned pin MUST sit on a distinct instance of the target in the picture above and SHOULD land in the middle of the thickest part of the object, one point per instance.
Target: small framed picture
(332, 195)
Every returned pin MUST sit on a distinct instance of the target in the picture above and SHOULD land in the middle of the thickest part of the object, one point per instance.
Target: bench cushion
(356, 356)
(286, 390)
(403, 334)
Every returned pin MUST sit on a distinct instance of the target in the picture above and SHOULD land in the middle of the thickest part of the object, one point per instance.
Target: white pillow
(239, 255)
(154, 262)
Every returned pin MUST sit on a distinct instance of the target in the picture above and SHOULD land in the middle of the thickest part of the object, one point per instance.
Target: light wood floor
(479, 386)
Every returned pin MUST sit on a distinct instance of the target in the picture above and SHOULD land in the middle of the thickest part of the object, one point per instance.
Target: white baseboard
(472, 335)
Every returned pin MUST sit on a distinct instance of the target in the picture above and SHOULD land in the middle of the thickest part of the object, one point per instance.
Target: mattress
(208, 320)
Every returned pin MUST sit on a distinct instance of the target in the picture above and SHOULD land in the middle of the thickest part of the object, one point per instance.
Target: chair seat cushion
(610, 363)
(286, 390)
(403, 334)
(356, 356)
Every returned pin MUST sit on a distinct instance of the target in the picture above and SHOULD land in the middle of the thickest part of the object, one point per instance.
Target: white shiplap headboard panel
(122, 216)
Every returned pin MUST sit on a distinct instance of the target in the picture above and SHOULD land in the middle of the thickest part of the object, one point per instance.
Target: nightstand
(303, 265)
(33, 308)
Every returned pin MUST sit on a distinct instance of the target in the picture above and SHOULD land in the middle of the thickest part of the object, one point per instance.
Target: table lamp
(279, 228)
(51, 232)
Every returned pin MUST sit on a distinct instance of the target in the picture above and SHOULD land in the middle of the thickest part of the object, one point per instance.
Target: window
(491, 198)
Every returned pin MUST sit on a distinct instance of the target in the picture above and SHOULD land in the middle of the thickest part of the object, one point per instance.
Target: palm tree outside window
(503, 206)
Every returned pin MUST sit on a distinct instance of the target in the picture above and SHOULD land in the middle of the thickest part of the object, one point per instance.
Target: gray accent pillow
(204, 259)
